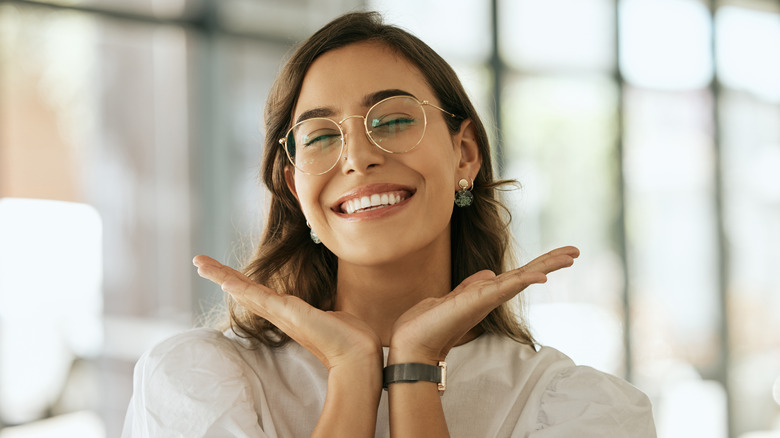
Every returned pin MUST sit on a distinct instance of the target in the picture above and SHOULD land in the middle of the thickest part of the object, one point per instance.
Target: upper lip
(369, 190)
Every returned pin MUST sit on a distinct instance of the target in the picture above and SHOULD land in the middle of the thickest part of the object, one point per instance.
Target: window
(647, 132)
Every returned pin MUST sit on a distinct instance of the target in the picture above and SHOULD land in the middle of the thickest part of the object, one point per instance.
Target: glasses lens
(314, 145)
(396, 124)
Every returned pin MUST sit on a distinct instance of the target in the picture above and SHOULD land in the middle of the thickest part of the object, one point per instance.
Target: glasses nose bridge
(354, 116)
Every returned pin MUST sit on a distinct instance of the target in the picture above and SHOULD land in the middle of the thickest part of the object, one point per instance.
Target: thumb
(478, 276)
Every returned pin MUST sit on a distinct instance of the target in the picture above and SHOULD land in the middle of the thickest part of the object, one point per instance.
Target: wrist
(358, 355)
(362, 383)
(416, 372)
(407, 354)
(354, 390)
(361, 366)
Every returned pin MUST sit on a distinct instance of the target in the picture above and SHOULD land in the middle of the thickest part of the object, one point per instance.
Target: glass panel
(557, 34)
(665, 44)
(751, 156)
(64, 306)
(560, 144)
(154, 8)
(280, 20)
(478, 82)
(142, 147)
(247, 70)
(672, 256)
(97, 112)
(45, 114)
(448, 33)
(747, 46)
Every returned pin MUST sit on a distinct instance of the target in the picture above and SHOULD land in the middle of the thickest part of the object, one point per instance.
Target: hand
(335, 338)
(427, 331)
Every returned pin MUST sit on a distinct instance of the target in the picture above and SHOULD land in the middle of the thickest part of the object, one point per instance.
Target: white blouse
(203, 383)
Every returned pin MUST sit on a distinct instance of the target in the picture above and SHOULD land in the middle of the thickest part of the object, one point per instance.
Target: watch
(416, 372)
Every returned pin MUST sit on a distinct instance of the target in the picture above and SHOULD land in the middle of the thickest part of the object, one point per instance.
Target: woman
(369, 275)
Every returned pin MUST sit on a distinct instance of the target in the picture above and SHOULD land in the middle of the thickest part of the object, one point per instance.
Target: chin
(368, 256)
(382, 249)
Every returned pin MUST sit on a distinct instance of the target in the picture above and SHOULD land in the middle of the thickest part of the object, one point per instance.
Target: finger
(473, 303)
(231, 280)
(573, 251)
(286, 312)
(517, 280)
(552, 261)
(567, 251)
(473, 278)
(216, 272)
(201, 260)
(210, 268)
(506, 285)
(549, 264)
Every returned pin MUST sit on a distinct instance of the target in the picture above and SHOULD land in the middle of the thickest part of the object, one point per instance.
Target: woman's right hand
(347, 346)
(335, 338)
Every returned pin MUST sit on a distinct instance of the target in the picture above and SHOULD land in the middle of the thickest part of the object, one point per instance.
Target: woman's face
(422, 182)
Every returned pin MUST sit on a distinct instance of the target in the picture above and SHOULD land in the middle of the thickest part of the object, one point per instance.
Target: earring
(463, 197)
(314, 237)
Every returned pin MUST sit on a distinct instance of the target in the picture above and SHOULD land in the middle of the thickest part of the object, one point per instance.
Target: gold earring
(464, 197)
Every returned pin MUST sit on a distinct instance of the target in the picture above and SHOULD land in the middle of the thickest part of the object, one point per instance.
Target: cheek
(445, 198)
(442, 166)
(308, 197)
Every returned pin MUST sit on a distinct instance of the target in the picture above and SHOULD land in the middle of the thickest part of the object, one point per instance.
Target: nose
(360, 154)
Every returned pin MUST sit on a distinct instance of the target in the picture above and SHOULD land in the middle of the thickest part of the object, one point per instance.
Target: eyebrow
(369, 100)
(373, 98)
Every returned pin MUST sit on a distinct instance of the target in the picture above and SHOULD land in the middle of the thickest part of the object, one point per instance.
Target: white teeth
(372, 202)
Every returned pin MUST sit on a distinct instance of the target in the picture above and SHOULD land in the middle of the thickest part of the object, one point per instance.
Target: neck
(379, 294)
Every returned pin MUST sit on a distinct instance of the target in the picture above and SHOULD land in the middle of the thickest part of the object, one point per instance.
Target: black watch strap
(416, 372)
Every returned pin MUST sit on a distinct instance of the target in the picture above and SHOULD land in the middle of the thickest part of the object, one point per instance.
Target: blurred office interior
(646, 132)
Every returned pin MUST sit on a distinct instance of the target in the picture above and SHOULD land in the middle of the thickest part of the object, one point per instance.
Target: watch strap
(416, 372)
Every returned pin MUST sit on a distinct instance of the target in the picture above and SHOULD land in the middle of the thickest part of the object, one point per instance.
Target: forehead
(341, 78)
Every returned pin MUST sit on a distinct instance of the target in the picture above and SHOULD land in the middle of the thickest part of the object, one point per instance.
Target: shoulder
(584, 401)
(191, 384)
(552, 395)
(192, 350)
(514, 357)
(208, 361)
(541, 391)
(192, 364)
(192, 338)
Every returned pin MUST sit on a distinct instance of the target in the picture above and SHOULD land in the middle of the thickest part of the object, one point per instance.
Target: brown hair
(289, 262)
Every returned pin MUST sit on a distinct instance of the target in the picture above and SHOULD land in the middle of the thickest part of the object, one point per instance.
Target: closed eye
(392, 123)
(321, 140)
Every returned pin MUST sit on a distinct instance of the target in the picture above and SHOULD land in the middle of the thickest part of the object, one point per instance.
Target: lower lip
(374, 214)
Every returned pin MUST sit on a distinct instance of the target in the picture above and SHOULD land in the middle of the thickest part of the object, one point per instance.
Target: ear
(289, 178)
(470, 160)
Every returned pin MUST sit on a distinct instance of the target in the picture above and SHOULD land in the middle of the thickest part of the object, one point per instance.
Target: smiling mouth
(375, 201)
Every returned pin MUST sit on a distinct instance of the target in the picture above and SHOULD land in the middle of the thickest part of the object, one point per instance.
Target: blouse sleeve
(191, 385)
(581, 401)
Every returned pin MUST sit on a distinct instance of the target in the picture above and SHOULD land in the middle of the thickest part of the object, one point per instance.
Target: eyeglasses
(395, 125)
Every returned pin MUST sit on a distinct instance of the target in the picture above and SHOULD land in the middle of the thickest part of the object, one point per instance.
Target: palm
(433, 326)
(333, 337)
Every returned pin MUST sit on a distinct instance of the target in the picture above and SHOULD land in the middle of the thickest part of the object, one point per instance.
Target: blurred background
(646, 132)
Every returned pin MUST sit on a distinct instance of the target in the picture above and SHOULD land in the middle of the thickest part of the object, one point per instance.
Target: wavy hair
(286, 259)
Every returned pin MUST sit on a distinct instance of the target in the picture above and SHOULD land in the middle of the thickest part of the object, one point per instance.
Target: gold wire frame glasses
(395, 125)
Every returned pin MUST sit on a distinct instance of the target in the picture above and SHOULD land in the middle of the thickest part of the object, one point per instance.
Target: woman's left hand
(426, 332)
